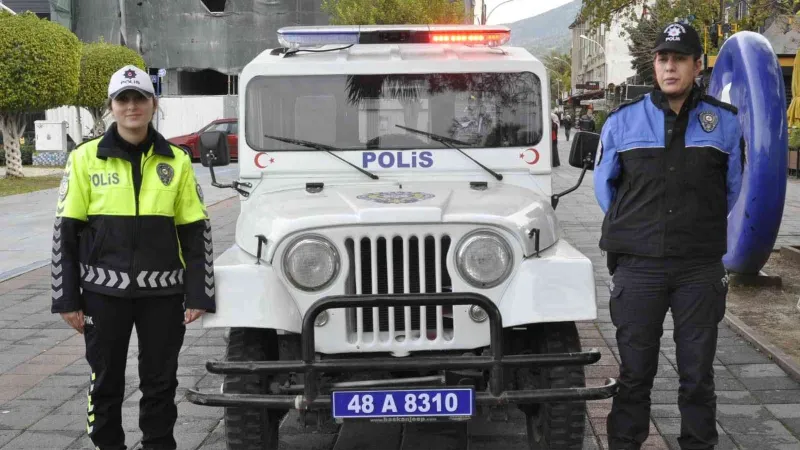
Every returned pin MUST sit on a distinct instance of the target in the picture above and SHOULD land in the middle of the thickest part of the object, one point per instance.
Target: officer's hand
(192, 315)
(74, 319)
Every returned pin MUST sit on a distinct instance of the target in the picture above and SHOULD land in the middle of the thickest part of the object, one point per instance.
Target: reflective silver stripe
(209, 265)
(56, 279)
(159, 278)
(104, 277)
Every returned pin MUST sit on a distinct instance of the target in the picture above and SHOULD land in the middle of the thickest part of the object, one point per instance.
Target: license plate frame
(435, 409)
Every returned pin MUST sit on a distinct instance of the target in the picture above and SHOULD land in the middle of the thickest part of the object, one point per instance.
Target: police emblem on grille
(199, 192)
(165, 173)
(708, 120)
(395, 197)
(63, 188)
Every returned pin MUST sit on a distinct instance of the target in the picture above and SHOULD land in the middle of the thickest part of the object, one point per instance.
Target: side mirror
(214, 149)
(584, 149)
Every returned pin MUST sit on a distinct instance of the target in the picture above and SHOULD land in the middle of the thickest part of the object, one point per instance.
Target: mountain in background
(546, 32)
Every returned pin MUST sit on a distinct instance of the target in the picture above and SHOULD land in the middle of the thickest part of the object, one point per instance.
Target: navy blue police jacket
(668, 182)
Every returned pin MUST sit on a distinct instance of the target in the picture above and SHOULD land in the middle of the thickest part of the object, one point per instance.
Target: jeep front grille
(401, 264)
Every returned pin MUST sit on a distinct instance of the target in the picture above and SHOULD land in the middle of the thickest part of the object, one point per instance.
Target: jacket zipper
(137, 188)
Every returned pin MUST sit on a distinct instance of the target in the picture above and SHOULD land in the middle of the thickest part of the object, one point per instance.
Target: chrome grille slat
(399, 264)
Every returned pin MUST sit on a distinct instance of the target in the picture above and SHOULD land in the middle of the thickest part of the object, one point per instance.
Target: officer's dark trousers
(643, 289)
(160, 329)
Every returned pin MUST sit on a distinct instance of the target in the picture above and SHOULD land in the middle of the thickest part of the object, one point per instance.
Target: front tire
(251, 428)
(551, 425)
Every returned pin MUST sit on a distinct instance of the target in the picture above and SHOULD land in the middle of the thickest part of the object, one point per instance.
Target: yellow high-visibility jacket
(131, 224)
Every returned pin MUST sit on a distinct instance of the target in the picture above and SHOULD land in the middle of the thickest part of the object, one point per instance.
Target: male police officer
(668, 172)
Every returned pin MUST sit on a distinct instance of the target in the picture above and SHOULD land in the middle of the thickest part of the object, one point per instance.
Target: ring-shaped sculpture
(747, 74)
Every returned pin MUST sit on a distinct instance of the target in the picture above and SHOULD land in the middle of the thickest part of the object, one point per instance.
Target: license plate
(404, 405)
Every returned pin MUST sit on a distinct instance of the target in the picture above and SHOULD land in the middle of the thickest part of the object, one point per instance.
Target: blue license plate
(411, 403)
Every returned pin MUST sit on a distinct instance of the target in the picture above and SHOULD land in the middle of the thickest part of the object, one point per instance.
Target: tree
(559, 67)
(382, 12)
(644, 30)
(39, 70)
(99, 61)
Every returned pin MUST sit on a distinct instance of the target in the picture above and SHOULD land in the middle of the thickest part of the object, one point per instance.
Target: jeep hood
(278, 214)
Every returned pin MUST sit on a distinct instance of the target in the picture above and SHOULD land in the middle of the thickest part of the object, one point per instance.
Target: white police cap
(130, 77)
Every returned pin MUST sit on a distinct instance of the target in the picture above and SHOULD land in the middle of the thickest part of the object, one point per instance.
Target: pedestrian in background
(554, 138)
(131, 247)
(586, 123)
(567, 124)
(669, 170)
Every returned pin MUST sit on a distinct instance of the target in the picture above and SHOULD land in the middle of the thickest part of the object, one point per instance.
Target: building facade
(600, 57)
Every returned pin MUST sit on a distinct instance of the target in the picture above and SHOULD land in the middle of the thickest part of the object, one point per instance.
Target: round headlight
(484, 259)
(311, 263)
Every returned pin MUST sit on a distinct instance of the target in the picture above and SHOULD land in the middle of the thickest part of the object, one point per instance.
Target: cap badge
(708, 120)
(674, 32)
(165, 173)
(130, 73)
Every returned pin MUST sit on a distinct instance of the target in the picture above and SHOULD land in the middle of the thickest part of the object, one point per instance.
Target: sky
(518, 9)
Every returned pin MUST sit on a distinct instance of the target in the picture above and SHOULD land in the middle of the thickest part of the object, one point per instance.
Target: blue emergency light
(489, 36)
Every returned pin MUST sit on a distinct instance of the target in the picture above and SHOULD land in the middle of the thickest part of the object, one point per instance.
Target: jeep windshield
(360, 112)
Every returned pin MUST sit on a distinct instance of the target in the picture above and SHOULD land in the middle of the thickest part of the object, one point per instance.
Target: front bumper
(312, 398)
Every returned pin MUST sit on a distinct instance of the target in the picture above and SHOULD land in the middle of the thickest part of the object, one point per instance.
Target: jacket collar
(109, 146)
(661, 102)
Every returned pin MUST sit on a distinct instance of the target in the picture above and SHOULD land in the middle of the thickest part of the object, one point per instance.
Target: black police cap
(679, 37)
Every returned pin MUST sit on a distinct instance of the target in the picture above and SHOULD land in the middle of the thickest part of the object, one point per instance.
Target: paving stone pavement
(44, 377)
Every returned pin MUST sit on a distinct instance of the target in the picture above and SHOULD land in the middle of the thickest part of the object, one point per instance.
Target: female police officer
(131, 247)
(669, 170)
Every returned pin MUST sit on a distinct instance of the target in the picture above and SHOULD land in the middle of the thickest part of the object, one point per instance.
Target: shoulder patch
(711, 100)
(628, 103)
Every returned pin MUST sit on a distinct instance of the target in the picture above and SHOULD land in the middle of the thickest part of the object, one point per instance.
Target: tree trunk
(79, 135)
(12, 125)
(99, 126)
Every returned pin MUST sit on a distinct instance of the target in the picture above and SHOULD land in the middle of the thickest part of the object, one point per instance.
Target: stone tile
(505, 443)
(664, 411)
(725, 443)
(770, 383)
(37, 440)
(785, 411)
(735, 398)
(793, 425)
(741, 354)
(672, 425)
(765, 442)
(20, 414)
(777, 396)
(756, 370)
(8, 435)
(736, 425)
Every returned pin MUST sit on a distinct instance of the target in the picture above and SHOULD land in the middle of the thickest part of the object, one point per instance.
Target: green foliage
(794, 138)
(559, 70)
(386, 12)
(599, 118)
(39, 64)
(99, 61)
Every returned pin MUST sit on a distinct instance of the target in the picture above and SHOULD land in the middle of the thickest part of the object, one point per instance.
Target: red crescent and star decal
(263, 160)
(530, 156)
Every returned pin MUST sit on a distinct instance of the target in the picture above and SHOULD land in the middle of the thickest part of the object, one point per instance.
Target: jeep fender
(250, 296)
(557, 286)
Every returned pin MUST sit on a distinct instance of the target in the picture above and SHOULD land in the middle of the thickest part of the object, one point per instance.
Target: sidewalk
(44, 376)
(27, 221)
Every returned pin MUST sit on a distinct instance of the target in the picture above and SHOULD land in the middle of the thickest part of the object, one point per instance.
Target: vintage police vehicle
(397, 254)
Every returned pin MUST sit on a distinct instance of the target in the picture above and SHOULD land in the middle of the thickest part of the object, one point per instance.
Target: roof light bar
(490, 36)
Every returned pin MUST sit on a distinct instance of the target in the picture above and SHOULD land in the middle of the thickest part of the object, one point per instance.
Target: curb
(780, 357)
(19, 271)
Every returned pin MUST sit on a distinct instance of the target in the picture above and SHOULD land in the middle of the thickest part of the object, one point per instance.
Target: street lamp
(486, 19)
(605, 63)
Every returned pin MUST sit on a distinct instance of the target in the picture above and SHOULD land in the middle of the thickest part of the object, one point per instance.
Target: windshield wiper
(447, 142)
(324, 148)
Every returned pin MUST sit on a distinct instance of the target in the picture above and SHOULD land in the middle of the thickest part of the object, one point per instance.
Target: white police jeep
(397, 253)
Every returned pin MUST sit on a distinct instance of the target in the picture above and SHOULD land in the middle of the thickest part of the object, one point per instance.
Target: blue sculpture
(748, 75)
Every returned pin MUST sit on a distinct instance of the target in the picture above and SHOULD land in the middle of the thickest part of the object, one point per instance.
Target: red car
(190, 142)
